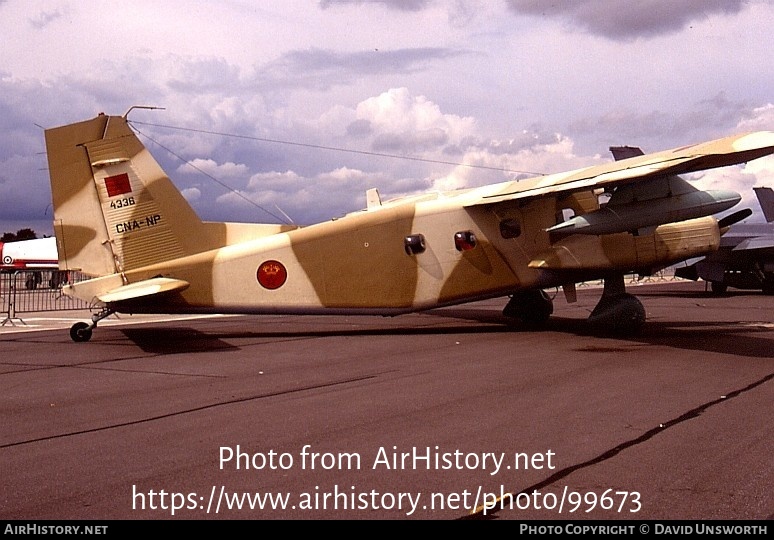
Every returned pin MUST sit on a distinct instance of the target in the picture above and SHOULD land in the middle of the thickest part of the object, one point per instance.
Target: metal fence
(41, 290)
(36, 290)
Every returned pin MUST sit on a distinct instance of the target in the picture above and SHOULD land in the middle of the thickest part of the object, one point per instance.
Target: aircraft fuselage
(361, 263)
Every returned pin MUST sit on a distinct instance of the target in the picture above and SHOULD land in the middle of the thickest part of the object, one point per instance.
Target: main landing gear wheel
(718, 287)
(768, 283)
(532, 307)
(617, 312)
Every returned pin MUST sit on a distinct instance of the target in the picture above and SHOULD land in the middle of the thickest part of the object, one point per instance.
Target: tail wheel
(80, 332)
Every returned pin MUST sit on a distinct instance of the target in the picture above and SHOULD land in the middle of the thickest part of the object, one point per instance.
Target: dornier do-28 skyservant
(120, 220)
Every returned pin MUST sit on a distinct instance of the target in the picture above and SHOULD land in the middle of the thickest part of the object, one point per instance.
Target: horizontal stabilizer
(147, 287)
(760, 242)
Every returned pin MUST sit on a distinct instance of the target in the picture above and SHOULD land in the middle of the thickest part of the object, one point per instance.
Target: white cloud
(191, 194)
(210, 167)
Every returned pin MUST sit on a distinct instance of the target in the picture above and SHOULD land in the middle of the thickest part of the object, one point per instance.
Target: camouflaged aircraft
(119, 219)
(745, 258)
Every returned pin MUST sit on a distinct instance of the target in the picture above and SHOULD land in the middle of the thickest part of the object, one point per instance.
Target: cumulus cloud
(401, 122)
(191, 194)
(210, 167)
(304, 200)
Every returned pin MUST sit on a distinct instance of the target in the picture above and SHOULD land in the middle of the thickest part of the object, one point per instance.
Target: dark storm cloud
(25, 196)
(400, 5)
(658, 130)
(624, 21)
(322, 69)
(204, 75)
(412, 141)
(359, 128)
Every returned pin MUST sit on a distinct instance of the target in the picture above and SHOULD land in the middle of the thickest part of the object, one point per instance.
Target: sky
(287, 111)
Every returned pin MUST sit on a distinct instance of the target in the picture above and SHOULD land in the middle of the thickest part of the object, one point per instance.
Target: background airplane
(33, 257)
(35, 254)
(119, 219)
(745, 258)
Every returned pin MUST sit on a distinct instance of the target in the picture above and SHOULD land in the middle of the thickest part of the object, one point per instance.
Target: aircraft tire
(531, 307)
(80, 332)
(718, 288)
(768, 283)
(621, 315)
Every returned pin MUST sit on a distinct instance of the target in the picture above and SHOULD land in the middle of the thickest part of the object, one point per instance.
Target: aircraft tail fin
(114, 207)
(766, 199)
(625, 152)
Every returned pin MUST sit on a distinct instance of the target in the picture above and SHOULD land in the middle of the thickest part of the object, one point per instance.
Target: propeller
(734, 218)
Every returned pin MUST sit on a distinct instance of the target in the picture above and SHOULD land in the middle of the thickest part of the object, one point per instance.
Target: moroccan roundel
(272, 274)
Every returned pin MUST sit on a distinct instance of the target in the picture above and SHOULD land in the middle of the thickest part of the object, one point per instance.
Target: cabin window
(510, 228)
(414, 244)
(564, 214)
(464, 240)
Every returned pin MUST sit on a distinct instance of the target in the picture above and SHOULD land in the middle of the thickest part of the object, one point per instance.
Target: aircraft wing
(145, 288)
(687, 159)
(760, 242)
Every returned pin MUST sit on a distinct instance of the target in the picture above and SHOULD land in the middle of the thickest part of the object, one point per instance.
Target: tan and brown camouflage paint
(356, 263)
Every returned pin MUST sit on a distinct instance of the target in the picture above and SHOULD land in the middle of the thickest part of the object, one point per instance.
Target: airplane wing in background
(745, 257)
(760, 242)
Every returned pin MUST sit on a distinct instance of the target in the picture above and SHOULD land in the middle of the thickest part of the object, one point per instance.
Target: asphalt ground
(448, 414)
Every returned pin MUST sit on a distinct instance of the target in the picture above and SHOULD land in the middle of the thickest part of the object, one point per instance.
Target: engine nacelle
(667, 244)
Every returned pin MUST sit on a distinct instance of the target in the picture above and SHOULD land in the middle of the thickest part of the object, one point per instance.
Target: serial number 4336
(122, 203)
